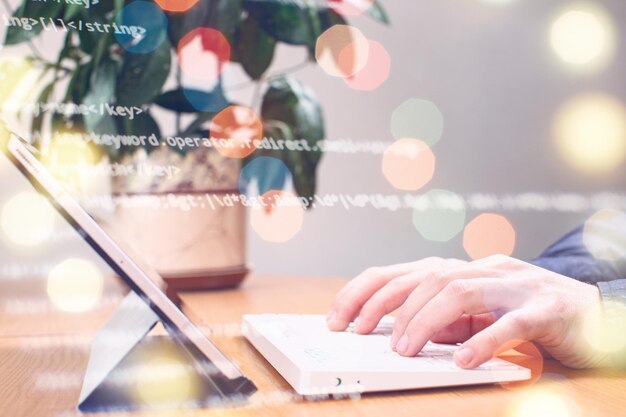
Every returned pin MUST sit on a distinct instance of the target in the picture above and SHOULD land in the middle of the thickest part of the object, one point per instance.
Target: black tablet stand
(121, 372)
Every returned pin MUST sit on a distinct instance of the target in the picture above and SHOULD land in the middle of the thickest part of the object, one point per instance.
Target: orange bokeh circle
(235, 130)
(489, 234)
(408, 164)
(279, 219)
(342, 51)
(526, 355)
(375, 72)
(176, 5)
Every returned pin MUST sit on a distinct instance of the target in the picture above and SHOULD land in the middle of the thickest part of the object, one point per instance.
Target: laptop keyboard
(308, 336)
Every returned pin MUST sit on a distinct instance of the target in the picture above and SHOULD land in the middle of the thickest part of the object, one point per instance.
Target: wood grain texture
(42, 376)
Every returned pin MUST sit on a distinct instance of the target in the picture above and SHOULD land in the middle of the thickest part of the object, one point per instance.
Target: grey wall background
(492, 73)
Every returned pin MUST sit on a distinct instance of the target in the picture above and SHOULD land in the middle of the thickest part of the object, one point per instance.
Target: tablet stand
(122, 372)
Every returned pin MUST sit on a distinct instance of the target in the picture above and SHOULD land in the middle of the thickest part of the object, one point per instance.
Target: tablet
(141, 280)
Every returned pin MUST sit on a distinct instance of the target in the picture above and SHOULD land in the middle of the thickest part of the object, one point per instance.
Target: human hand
(489, 305)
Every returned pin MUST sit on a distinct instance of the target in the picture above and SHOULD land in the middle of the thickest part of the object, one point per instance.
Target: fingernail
(358, 325)
(403, 344)
(334, 323)
(394, 340)
(331, 316)
(464, 356)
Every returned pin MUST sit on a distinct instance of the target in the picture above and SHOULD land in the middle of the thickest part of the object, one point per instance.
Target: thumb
(509, 331)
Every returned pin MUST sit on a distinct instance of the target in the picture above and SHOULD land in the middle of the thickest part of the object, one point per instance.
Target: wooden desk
(41, 376)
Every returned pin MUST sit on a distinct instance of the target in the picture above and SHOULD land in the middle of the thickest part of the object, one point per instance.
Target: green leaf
(228, 17)
(143, 124)
(295, 22)
(72, 10)
(253, 48)
(272, 177)
(89, 40)
(107, 126)
(77, 87)
(196, 125)
(102, 9)
(330, 18)
(175, 100)
(43, 98)
(223, 15)
(143, 75)
(101, 90)
(294, 104)
(378, 13)
(27, 11)
(268, 176)
(180, 24)
(65, 51)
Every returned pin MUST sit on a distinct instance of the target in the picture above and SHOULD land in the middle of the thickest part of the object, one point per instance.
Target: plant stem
(178, 84)
(256, 96)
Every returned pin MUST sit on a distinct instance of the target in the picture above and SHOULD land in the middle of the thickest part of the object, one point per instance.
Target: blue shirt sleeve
(613, 290)
(570, 257)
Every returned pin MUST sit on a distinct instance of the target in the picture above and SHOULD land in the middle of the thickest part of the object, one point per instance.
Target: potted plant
(124, 74)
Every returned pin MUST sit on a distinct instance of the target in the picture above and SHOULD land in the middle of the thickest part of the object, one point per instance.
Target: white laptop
(317, 361)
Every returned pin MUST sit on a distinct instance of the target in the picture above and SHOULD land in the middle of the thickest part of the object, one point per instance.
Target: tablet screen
(139, 279)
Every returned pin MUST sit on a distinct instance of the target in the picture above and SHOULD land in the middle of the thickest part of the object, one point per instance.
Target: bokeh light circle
(176, 5)
(280, 219)
(544, 402)
(498, 2)
(202, 54)
(148, 26)
(590, 132)
(17, 75)
(489, 234)
(69, 158)
(342, 51)
(583, 35)
(375, 72)
(75, 285)
(604, 235)
(600, 329)
(439, 215)
(164, 380)
(265, 173)
(28, 219)
(235, 131)
(350, 7)
(419, 119)
(408, 164)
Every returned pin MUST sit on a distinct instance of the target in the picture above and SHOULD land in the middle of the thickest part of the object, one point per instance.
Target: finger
(511, 329)
(464, 328)
(350, 299)
(462, 296)
(429, 289)
(386, 300)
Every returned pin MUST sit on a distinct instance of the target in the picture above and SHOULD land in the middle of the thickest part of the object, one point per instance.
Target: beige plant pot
(169, 222)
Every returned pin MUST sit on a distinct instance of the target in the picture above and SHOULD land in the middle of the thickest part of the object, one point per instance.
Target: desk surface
(42, 375)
